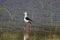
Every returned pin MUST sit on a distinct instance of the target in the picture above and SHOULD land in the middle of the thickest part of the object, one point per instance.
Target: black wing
(28, 18)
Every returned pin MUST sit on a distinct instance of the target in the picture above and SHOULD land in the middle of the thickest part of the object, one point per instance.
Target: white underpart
(26, 20)
(25, 15)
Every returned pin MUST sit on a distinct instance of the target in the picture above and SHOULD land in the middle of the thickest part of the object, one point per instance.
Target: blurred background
(44, 13)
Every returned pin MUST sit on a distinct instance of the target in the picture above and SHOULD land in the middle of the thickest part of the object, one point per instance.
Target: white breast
(26, 20)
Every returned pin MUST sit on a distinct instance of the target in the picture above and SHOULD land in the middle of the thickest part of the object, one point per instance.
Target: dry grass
(35, 35)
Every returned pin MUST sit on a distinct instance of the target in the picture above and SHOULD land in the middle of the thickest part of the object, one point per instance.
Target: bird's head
(25, 13)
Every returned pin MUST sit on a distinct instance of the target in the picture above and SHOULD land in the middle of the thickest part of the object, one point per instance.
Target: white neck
(25, 15)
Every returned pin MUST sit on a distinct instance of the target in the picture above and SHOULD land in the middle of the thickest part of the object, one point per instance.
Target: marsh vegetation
(48, 33)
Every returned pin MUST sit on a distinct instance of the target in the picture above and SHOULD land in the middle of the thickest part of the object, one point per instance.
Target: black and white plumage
(26, 18)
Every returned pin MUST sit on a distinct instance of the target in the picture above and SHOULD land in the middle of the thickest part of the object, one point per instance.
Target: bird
(26, 18)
